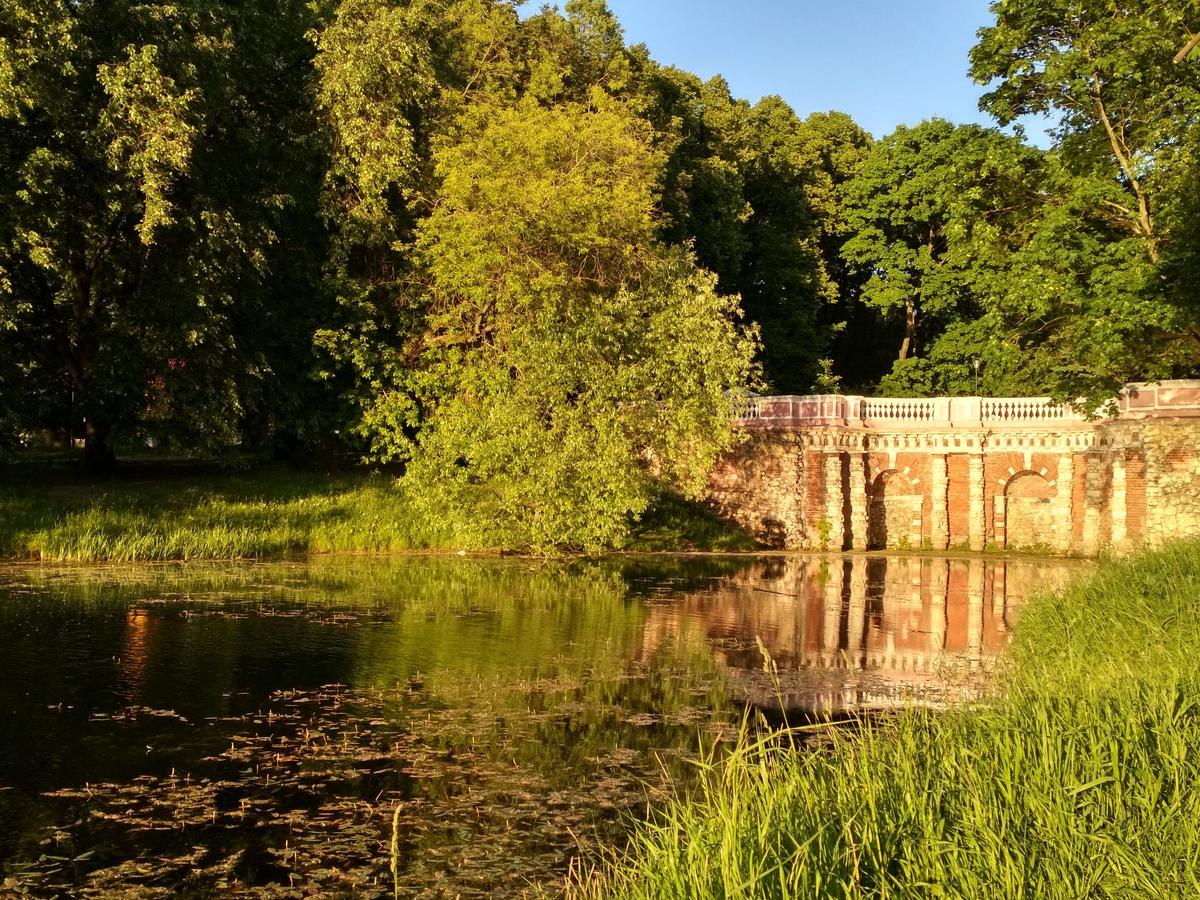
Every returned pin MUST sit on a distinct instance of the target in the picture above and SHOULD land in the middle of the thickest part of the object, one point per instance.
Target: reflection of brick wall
(1062, 489)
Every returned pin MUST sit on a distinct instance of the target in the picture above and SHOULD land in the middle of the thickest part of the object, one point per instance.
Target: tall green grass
(273, 511)
(1079, 776)
(264, 513)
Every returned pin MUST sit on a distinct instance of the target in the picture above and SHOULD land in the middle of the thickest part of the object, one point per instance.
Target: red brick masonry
(846, 472)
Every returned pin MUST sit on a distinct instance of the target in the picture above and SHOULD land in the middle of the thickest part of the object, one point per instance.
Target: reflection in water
(135, 653)
(245, 730)
(850, 633)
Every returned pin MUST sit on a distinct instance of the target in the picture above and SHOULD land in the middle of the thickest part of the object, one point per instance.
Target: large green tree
(567, 360)
(932, 215)
(1121, 84)
(751, 188)
(149, 169)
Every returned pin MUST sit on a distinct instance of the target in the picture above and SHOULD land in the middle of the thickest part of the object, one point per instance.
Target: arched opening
(1029, 512)
(894, 515)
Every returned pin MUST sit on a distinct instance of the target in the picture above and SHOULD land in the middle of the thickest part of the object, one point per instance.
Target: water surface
(257, 729)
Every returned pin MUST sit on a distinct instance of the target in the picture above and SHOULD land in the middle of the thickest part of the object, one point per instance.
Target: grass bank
(271, 511)
(1080, 777)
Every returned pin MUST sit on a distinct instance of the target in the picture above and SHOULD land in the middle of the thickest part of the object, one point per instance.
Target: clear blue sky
(886, 62)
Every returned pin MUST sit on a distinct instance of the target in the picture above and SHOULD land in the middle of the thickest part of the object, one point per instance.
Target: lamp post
(977, 364)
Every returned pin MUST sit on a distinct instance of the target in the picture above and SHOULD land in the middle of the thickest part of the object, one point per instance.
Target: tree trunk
(910, 329)
(98, 456)
(1144, 224)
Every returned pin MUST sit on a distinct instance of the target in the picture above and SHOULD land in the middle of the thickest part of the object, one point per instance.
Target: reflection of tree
(547, 656)
(493, 686)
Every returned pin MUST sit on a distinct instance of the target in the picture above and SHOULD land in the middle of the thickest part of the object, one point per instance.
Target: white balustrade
(1137, 401)
(1163, 399)
(1028, 410)
(899, 411)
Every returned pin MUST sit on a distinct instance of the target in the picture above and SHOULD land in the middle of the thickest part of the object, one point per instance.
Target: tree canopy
(535, 267)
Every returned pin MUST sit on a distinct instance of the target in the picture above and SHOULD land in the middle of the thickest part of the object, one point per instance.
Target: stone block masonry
(842, 472)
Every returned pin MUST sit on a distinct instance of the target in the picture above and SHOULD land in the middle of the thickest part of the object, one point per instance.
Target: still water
(262, 730)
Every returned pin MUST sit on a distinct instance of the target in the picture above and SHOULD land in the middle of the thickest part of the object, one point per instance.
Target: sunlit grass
(1077, 778)
(277, 512)
(265, 513)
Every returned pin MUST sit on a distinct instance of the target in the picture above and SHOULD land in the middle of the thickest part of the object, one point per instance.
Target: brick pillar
(1120, 532)
(858, 502)
(975, 511)
(1064, 483)
(939, 516)
(835, 501)
(1093, 499)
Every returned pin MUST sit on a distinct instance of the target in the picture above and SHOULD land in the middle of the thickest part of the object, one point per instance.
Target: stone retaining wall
(836, 473)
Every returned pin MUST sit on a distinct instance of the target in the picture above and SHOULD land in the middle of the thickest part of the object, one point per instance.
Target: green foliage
(752, 189)
(672, 524)
(931, 215)
(1074, 781)
(150, 176)
(563, 347)
(824, 532)
(267, 512)
(375, 77)
(514, 251)
(1126, 106)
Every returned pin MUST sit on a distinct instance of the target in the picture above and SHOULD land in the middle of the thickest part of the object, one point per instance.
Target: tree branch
(1144, 224)
(1192, 44)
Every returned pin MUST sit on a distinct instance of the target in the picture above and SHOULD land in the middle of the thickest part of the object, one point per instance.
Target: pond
(277, 729)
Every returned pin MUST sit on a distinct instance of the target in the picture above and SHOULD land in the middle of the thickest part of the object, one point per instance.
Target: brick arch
(894, 512)
(1025, 510)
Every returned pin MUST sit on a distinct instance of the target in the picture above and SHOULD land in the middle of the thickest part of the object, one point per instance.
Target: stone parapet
(835, 472)
(1166, 399)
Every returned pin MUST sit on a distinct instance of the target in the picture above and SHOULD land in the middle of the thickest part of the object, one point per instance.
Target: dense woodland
(509, 251)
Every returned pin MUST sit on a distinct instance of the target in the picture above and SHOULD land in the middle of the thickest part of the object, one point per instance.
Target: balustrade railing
(1179, 398)
(1027, 410)
(916, 412)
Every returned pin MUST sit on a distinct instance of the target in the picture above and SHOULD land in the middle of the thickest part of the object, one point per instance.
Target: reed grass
(1076, 777)
(274, 511)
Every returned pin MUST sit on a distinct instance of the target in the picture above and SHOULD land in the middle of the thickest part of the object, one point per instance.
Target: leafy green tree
(1109, 71)
(784, 282)
(751, 190)
(145, 183)
(702, 197)
(567, 358)
(931, 216)
(1121, 82)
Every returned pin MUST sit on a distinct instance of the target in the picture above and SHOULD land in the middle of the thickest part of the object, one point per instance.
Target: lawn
(156, 513)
